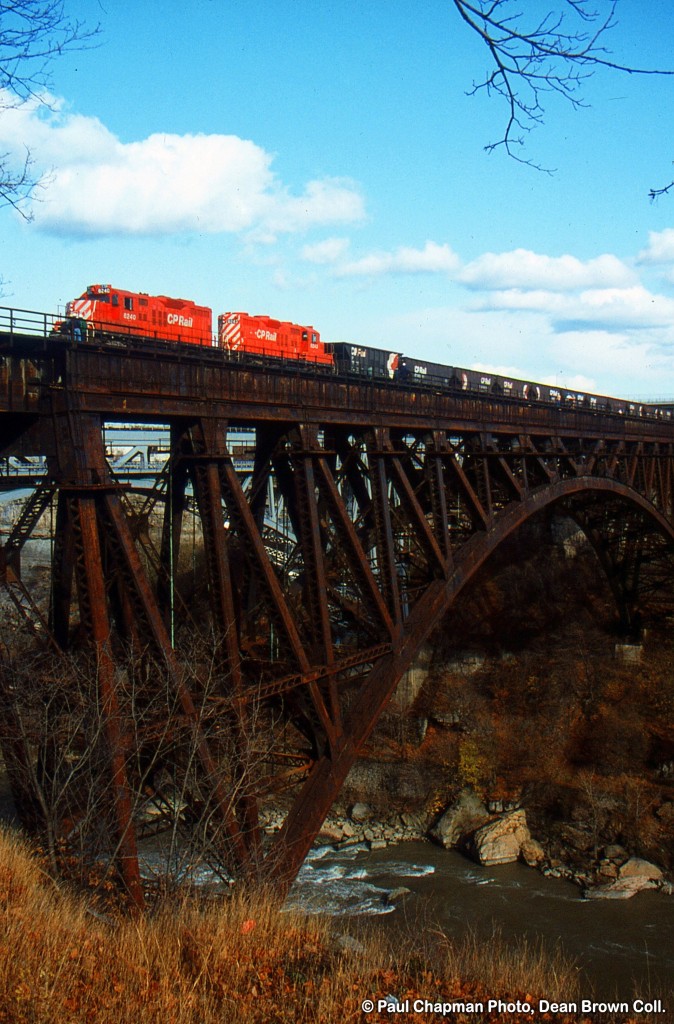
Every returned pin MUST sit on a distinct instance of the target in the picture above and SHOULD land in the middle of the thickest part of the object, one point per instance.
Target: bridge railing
(20, 322)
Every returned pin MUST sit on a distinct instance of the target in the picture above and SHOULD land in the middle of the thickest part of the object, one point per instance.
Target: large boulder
(331, 832)
(634, 876)
(500, 841)
(464, 816)
(361, 812)
(621, 889)
(635, 867)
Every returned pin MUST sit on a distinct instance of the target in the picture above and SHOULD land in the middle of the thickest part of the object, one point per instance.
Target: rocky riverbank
(491, 835)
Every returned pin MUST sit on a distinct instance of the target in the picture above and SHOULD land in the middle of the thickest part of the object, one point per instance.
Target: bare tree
(56, 749)
(33, 33)
(532, 57)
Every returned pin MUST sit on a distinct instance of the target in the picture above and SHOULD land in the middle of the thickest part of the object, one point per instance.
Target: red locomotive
(105, 308)
(261, 335)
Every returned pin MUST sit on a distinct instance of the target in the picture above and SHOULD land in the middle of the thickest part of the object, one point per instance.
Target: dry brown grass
(239, 961)
(242, 960)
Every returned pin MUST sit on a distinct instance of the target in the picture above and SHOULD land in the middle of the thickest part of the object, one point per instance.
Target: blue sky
(323, 163)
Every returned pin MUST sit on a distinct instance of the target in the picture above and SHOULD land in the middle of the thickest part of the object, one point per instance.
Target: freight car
(364, 361)
(424, 374)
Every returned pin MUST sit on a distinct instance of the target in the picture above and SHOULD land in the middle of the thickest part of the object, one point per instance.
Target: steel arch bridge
(394, 499)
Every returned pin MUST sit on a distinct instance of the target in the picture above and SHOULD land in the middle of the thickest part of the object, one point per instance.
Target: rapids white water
(624, 948)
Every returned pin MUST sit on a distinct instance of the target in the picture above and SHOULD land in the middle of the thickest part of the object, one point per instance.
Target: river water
(624, 948)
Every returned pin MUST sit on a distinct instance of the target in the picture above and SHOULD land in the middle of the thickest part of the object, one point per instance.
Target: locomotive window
(115, 299)
(142, 302)
(128, 302)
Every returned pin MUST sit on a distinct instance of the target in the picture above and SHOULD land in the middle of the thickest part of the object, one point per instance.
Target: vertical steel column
(91, 587)
(311, 542)
(316, 580)
(79, 469)
(386, 552)
(436, 447)
(211, 447)
(176, 484)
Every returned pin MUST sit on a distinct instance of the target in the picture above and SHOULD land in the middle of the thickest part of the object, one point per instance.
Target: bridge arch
(329, 774)
(604, 510)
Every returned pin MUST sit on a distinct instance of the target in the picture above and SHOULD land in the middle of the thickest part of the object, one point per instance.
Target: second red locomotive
(262, 335)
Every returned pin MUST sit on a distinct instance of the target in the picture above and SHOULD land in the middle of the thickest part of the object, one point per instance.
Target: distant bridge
(134, 451)
(393, 497)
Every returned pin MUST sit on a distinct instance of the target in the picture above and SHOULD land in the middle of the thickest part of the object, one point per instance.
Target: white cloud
(328, 251)
(518, 299)
(327, 201)
(640, 366)
(165, 183)
(622, 308)
(627, 307)
(522, 268)
(660, 248)
(432, 259)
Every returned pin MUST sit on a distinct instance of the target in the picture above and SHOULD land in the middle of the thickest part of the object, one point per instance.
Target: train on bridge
(103, 312)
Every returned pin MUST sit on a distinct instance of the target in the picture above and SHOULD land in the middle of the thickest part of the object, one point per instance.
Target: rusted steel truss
(276, 645)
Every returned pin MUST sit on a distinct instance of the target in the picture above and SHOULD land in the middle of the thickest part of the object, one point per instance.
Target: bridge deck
(152, 383)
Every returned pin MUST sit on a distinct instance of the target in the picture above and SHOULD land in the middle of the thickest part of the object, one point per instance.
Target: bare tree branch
(656, 192)
(33, 33)
(554, 54)
(16, 185)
